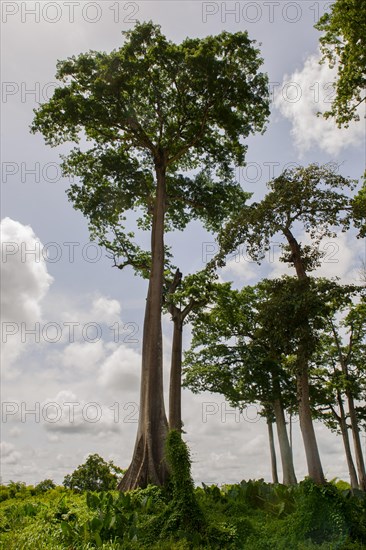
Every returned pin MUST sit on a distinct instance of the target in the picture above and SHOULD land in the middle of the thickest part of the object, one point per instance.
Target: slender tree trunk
(148, 464)
(302, 378)
(357, 442)
(347, 447)
(289, 477)
(353, 416)
(306, 424)
(290, 430)
(175, 390)
(272, 451)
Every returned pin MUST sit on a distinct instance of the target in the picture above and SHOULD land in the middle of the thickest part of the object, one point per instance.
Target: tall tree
(183, 297)
(340, 361)
(211, 202)
(343, 45)
(151, 109)
(272, 449)
(234, 353)
(313, 200)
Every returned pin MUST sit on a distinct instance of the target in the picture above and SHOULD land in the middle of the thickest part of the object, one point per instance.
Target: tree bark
(315, 469)
(289, 477)
(306, 424)
(341, 419)
(175, 389)
(272, 451)
(148, 463)
(356, 442)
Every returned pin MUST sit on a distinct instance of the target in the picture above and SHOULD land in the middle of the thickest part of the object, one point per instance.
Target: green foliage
(340, 351)
(152, 102)
(94, 475)
(313, 197)
(244, 345)
(343, 45)
(183, 515)
(245, 516)
(320, 514)
(340, 484)
(359, 209)
(44, 486)
(113, 518)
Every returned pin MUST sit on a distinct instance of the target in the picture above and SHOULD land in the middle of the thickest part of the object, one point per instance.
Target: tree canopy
(343, 46)
(94, 475)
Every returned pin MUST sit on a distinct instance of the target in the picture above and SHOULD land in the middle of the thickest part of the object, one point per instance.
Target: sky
(71, 323)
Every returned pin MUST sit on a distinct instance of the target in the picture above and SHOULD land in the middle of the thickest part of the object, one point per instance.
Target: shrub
(94, 475)
(320, 514)
(44, 486)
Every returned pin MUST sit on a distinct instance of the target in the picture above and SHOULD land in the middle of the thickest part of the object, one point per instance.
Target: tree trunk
(347, 447)
(357, 442)
(175, 390)
(272, 451)
(289, 477)
(148, 464)
(353, 417)
(302, 378)
(306, 424)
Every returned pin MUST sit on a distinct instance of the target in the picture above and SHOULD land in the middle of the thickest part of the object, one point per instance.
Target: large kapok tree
(140, 115)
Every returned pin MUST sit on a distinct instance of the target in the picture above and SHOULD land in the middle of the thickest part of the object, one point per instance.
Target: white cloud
(83, 356)
(68, 414)
(105, 310)
(25, 279)
(24, 283)
(302, 95)
(121, 370)
(8, 453)
(242, 268)
(100, 310)
(15, 431)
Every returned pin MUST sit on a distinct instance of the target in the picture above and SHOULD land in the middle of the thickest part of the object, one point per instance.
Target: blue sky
(82, 380)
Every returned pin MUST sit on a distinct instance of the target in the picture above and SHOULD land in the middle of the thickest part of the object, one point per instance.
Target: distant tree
(44, 486)
(341, 371)
(94, 475)
(343, 45)
(311, 199)
(16, 488)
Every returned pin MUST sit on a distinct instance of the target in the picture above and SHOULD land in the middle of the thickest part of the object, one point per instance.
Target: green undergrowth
(251, 515)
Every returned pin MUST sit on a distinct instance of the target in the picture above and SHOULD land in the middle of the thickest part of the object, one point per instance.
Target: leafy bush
(320, 513)
(94, 475)
(44, 486)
